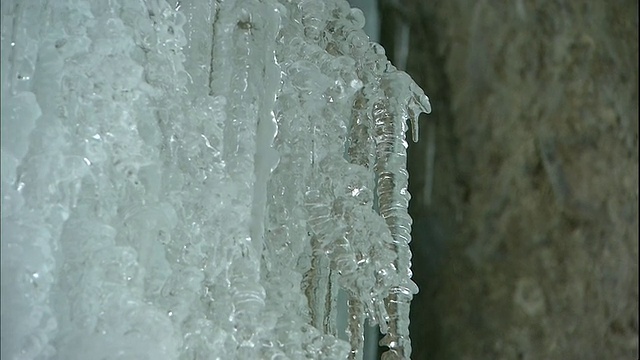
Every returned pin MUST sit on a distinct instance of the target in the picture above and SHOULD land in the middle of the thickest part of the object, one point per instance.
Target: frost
(201, 178)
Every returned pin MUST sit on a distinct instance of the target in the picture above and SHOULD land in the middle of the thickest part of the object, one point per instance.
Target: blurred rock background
(526, 218)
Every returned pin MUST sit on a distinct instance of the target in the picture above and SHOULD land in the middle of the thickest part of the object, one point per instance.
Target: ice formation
(196, 180)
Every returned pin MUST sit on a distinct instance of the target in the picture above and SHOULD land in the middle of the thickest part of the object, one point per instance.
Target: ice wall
(196, 180)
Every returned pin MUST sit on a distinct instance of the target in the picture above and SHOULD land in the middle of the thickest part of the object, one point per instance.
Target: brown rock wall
(528, 248)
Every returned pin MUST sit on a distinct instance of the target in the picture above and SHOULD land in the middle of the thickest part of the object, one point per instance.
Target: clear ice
(197, 180)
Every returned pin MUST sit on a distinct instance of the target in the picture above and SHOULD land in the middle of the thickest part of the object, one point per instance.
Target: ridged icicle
(402, 102)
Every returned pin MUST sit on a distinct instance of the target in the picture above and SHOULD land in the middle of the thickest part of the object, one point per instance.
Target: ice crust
(197, 180)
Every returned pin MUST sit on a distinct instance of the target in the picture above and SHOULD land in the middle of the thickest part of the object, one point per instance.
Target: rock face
(526, 243)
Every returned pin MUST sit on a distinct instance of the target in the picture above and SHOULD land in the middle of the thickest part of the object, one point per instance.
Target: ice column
(197, 180)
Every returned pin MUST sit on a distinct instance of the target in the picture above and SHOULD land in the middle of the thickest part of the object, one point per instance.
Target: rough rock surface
(527, 245)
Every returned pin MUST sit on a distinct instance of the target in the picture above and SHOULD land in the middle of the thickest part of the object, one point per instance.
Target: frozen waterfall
(198, 180)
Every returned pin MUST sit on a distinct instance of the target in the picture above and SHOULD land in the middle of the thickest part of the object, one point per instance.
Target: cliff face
(526, 246)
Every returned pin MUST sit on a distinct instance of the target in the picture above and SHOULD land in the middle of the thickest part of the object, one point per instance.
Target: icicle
(355, 328)
(331, 305)
(419, 103)
(317, 287)
(361, 148)
(390, 118)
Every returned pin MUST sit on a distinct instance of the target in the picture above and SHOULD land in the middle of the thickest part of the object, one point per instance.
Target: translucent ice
(188, 179)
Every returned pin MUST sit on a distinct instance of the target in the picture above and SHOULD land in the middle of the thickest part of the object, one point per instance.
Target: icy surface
(198, 180)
